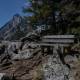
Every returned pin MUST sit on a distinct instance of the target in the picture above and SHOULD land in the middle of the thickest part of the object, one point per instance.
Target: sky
(8, 8)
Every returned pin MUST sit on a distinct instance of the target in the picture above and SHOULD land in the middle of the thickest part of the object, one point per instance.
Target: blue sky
(8, 8)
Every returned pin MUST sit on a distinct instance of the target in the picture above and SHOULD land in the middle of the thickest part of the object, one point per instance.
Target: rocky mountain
(16, 24)
(31, 63)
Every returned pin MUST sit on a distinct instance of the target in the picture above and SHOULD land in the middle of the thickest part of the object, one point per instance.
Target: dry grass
(76, 70)
(38, 73)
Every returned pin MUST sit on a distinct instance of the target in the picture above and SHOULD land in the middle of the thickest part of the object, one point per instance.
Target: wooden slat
(58, 41)
(47, 44)
(59, 36)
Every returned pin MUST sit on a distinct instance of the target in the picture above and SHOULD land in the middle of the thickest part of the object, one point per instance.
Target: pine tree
(62, 15)
(44, 12)
(71, 13)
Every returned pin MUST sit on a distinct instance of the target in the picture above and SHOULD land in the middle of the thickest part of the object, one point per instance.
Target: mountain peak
(17, 15)
(10, 27)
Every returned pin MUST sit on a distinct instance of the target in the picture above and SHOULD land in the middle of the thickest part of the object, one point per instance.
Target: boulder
(25, 46)
(70, 59)
(31, 37)
(1, 76)
(2, 48)
(5, 76)
(25, 54)
(30, 45)
(14, 45)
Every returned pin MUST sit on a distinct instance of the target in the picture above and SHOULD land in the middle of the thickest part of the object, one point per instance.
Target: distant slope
(16, 25)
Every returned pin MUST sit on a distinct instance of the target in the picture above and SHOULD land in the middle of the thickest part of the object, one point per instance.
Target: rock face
(24, 63)
(21, 64)
(13, 50)
(54, 69)
(22, 55)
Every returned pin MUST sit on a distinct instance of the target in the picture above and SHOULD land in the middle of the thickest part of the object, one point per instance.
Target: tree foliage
(62, 15)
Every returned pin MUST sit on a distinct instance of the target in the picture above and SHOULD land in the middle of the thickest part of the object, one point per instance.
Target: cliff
(10, 29)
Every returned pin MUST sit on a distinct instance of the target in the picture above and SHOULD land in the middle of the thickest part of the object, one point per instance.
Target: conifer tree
(62, 15)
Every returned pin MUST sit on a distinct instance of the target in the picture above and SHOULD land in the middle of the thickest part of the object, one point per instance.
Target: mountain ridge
(10, 28)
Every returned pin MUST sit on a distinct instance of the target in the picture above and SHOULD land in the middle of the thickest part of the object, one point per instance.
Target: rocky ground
(29, 63)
